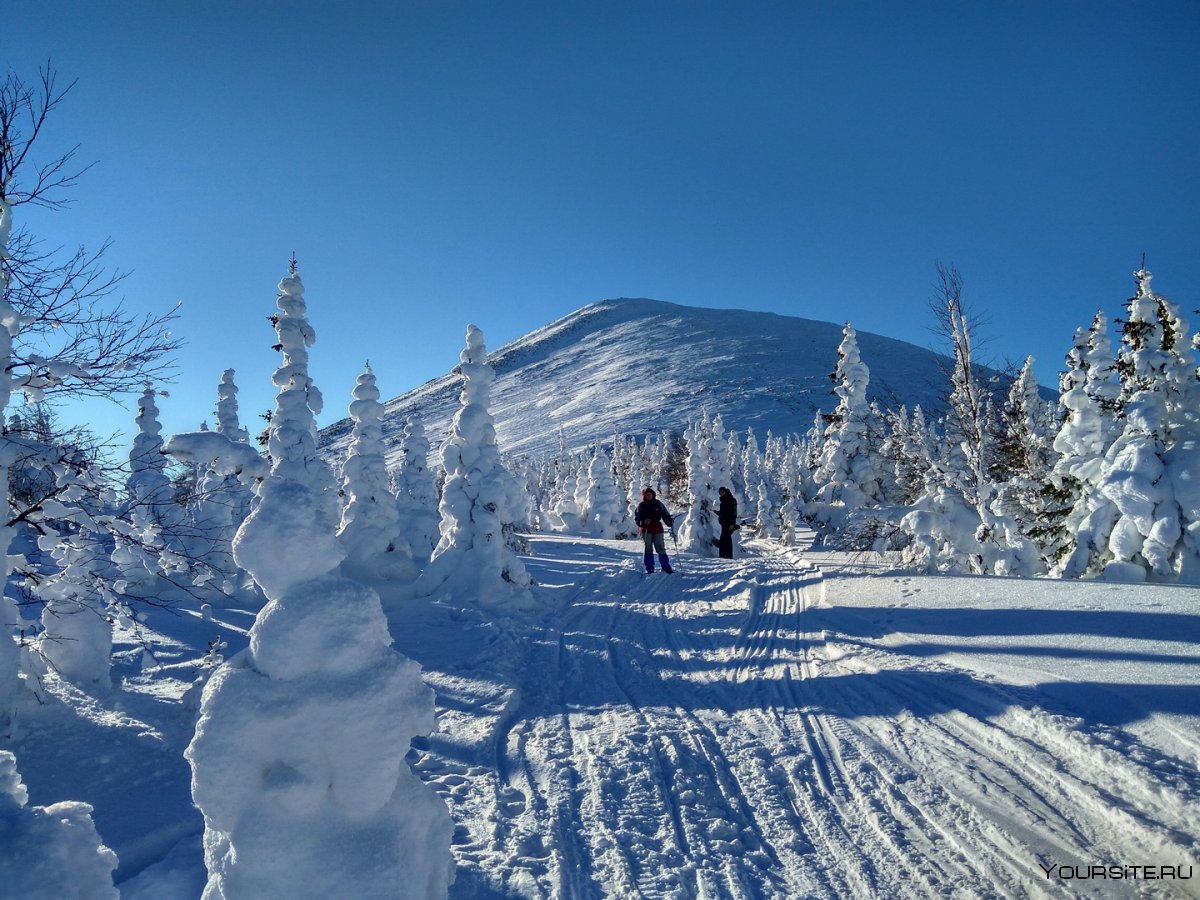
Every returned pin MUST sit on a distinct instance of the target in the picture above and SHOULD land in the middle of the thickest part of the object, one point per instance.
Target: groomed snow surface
(785, 724)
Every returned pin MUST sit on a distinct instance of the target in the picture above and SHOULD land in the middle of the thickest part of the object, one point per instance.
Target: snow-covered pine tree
(603, 501)
(750, 462)
(472, 562)
(1020, 466)
(697, 532)
(76, 639)
(370, 529)
(583, 491)
(847, 472)
(567, 510)
(417, 492)
(765, 521)
(1136, 526)
(1090, 400)
(304, 733)
(153, 544)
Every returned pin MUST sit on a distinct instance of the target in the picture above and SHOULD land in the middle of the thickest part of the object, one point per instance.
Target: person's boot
(665, 563)
(648, 560)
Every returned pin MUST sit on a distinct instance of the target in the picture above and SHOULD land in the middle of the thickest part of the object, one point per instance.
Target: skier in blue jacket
(650, 517)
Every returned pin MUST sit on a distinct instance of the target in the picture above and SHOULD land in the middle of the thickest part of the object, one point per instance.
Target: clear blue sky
(433, 164)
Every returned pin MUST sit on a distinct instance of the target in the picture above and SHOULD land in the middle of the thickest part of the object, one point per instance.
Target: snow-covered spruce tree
(697, 532)
(1136, 524)
(76, 638)
(607, 515)
(909, 454)
(633, 495)
(765, 520)
(583, 491)
(472, 562)
(1090, 400)
(298, 757)
(227, 468)
(750, 461)
(847, 472)
(154, 542)
(1020, 466)
(50, 851)
(567, 510)
(417, 492)
(370, 529)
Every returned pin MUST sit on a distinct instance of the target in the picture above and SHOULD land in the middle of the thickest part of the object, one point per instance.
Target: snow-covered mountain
(640, 366)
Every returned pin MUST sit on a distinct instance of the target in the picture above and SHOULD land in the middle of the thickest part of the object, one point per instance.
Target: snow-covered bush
(49, 852)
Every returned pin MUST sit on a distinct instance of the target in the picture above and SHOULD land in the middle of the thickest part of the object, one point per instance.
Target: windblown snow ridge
(640, 366)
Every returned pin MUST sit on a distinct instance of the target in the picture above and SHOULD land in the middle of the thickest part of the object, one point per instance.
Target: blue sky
(433, 164)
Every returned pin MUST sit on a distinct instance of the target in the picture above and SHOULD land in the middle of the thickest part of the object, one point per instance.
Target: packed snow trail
(721, 733)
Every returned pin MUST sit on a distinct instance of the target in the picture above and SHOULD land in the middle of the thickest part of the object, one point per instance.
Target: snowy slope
(641, 366)
(763, 727)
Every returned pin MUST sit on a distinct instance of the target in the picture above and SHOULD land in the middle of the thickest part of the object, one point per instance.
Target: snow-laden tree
(750, 461)
(583, 493)
(417, 492)
(298, 757)
(51, 851)
(765, 520)
(637, 478)
(472, 562)
(154, 542)
(76, 639)
(1090, 400)
(607, 514)
(697, 533)
(227, 469)
(1139, 520)
(566, 510)
(847, 471)
(1021, 463)
(370, 529)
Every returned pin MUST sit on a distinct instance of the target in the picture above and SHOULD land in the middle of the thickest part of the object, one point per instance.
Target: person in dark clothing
(727, 517)
(651, 516)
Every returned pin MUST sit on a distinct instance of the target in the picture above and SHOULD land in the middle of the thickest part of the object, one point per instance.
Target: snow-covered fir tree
(472, 562)
(1021, 463)
(154, 540)
(765, 520)
(370, 528)
(566, 510)
(697, 532)
(417, 492)
(1090, 400)
(1134, 525)
(607, 514)
(847, 472)
(76, 639)
(304, 733)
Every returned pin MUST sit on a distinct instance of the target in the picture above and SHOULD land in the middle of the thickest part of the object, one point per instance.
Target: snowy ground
(757, 728)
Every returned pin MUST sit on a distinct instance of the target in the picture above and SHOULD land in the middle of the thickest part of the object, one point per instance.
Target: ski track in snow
(690, 736)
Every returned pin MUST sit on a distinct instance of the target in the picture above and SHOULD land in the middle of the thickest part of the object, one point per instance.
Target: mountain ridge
(640, 366)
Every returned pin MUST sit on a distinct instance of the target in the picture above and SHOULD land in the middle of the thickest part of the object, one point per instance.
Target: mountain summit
(641, 366)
